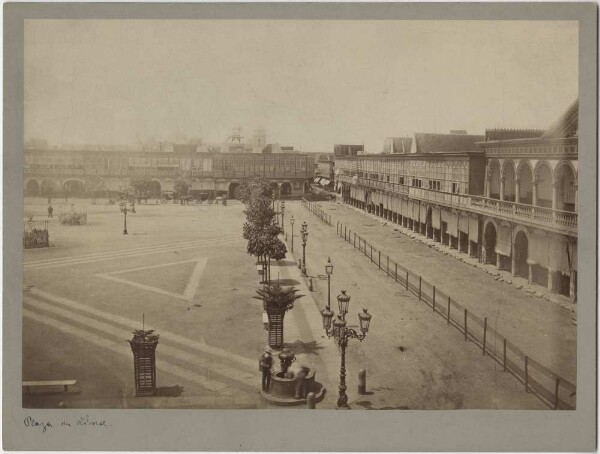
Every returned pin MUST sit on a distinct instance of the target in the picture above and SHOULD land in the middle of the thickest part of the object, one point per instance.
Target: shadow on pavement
(309, 348)
(170, 391)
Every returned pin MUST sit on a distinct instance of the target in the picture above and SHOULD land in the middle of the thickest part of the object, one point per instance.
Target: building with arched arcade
(508, 198)
(80, 172)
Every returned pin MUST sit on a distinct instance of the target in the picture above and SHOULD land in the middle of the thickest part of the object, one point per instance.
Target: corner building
(508, 198)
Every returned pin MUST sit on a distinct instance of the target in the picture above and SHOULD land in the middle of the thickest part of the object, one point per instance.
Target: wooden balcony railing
(535, 215)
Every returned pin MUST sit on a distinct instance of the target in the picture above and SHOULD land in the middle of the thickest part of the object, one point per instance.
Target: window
(455, 188)
(401, 180)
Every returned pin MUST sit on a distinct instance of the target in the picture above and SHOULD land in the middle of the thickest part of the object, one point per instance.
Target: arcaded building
(508, 198)
(76, 171)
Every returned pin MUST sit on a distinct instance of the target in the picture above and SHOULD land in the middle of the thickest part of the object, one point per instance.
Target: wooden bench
(36, 384)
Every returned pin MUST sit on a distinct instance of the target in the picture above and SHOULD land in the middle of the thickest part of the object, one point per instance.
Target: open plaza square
(183, 270)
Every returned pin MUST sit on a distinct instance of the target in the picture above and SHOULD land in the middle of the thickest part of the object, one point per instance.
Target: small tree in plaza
(252, 188)
(277, 301)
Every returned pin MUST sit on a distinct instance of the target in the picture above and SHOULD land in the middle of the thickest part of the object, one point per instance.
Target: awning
(423, 214)
(504, 240)
(463, 223)
(559, 255)
(473, 229)
(435, 218)
(538, 249)
(452, 221)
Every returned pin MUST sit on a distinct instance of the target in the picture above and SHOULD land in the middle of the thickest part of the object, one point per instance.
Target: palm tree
(277, 301)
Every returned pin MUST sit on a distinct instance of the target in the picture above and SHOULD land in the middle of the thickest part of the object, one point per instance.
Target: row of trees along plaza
(262, 234)
(262, 231)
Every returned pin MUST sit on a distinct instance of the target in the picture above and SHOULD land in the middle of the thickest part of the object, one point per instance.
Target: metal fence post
(344, 233)
(527, 374)
(388, 265)
(407, 280)
(355, 240)
(466, 330)
(371, 253)
(379, 259)
(484, 333)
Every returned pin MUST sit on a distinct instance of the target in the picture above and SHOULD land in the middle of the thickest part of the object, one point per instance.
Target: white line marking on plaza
(221, 235)
(149, 251)
(118, 333)
(190, 289)
(117, 347)
(197, 344)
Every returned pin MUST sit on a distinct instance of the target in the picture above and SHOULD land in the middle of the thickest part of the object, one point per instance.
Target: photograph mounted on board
(264, 214)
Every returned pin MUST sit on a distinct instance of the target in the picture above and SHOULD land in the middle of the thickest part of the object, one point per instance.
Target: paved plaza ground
(185, 268)
(546, 331)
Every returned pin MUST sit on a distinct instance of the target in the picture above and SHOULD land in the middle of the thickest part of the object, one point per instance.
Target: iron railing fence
(551, 388)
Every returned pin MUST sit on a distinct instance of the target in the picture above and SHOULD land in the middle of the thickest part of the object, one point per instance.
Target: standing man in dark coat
(264, 365)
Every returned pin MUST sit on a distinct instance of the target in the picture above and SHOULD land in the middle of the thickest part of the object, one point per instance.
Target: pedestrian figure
(50, 211)
(264, 365)
(301, 382)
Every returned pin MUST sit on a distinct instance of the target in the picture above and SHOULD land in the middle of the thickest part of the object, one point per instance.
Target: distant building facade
(507, 199)
(59, 171)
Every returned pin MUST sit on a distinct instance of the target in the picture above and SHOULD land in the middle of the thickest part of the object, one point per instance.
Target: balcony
(559, 221)
(384, 186)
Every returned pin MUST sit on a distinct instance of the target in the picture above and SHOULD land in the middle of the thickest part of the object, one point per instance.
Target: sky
(309, 84)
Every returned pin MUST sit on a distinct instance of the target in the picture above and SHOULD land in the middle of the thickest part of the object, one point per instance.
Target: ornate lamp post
(125, 210)
(282, 213)
(292, 220)
(329, 271)
(342, 334)
(304, 232)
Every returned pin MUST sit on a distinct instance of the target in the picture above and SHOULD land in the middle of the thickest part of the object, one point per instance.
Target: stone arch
(154, 188)
(565, 177)
(490, 234)
(494, 179)
(74, 186)
(232, 188)
(32, 188)
(521, 252)
(286, 188)
(48, 188)
(274, 189)
(508, 175)
(543, 180)
(524, 183)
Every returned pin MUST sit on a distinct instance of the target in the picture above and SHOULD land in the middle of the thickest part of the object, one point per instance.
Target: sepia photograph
(299, 214)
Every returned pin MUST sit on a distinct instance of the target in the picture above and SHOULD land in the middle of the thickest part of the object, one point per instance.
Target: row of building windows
(258, 164)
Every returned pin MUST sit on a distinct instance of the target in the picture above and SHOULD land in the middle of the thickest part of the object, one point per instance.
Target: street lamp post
(292, 224)
(125, 219)
(342, 334)
(282, 214)
(304, 232)
(329, 271)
